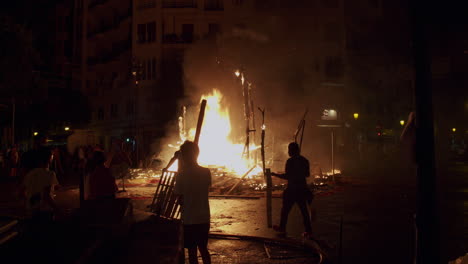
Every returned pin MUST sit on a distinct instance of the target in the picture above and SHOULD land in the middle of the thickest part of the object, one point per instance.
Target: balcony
(179, 4)
(214, 5)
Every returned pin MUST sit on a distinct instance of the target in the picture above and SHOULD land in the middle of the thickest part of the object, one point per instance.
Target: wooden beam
(201, 116)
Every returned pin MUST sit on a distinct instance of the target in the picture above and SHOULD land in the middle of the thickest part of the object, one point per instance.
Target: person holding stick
(297, 191)
(192, 184)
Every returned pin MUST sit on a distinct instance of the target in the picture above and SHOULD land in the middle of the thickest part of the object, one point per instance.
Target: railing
(179, 4)
(214, 5)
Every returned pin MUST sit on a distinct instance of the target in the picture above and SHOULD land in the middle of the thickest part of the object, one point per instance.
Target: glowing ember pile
(217, 149)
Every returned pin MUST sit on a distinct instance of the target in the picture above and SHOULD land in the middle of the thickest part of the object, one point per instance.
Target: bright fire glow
(217, 148)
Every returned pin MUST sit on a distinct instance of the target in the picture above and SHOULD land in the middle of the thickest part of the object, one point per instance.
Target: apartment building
(103, 54)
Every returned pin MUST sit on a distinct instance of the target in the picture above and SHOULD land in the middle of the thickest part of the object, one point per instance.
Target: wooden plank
(201, 116)
(268, 198)
(240, 180)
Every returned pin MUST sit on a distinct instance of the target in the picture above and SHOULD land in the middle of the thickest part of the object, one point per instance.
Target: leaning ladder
(165, 203)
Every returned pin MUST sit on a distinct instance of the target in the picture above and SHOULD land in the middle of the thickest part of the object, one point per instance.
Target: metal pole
(333, 153)
(427, 220)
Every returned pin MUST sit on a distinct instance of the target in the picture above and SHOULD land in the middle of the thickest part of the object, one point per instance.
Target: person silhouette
(296, 171)
(192, 184)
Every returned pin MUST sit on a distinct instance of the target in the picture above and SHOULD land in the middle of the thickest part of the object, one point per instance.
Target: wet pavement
(375, 207)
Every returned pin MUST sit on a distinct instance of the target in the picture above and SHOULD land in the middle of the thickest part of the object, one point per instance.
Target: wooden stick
(263, 139)
(302, 134)
(201, 115)
(301, 125)
(240, 180)
(268, 197)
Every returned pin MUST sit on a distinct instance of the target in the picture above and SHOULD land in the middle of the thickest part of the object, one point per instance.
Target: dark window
(100, 113)
(114, 110)
(141, 31)
(187, 32)
(151, 29)
(213, 29)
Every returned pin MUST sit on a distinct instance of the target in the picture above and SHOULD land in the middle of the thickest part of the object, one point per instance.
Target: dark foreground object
(101, 232)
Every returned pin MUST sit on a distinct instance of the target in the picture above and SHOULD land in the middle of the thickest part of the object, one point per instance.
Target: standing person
(297, 191)
(56, 163)
(119, 161)
(13, 160)
(101, 182)
(29, 158)
(38, 186)
(192, 183)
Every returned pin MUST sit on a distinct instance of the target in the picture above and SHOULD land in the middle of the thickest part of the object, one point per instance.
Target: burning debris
(226, 182)
(236, 167)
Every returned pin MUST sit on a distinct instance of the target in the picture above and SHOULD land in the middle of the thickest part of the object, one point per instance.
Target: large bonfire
(217, 148)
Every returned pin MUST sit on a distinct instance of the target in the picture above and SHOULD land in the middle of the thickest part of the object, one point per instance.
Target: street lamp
(454, 129)
(66, 128)
(402, 122)
(237, 73)
(356, 116)
(35, 133)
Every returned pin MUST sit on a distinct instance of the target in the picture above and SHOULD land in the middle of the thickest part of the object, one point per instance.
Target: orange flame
(216, 147)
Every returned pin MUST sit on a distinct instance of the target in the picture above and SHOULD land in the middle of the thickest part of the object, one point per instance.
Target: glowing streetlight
(66, 128)
(35, 133)
(402, 122)
(356, 116)
(237, 73)
(454, 129)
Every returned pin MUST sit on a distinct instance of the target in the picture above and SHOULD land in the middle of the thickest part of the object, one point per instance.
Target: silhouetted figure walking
(296, 172)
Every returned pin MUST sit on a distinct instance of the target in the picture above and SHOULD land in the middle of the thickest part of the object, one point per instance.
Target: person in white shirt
(193, 183)
(38, 186)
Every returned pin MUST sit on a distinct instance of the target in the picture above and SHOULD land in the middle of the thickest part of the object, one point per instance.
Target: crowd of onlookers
(39, 170)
